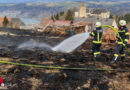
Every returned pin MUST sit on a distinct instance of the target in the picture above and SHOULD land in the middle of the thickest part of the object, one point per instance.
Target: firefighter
(97, 39)
(124, 34)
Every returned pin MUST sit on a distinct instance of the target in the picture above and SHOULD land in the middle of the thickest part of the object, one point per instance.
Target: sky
(22, 1)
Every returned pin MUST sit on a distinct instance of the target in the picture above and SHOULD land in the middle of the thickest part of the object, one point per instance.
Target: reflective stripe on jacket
(124, 34)
(97, 34)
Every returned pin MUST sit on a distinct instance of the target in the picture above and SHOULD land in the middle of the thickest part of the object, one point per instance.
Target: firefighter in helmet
(124, 34)
(97, 39)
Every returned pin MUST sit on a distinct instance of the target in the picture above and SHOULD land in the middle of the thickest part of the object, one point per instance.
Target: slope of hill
(25, 1)
(45, 9)
(29, 10)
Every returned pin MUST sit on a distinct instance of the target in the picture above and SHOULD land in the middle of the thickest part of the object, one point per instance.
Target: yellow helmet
(122, 22)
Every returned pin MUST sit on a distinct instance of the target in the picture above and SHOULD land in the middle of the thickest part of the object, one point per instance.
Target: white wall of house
(76, 14)
(105, 14)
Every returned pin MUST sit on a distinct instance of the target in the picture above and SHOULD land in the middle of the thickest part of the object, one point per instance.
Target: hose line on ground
(63, 68)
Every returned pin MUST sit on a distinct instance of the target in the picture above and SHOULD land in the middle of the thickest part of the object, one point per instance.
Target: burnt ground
(29, 78)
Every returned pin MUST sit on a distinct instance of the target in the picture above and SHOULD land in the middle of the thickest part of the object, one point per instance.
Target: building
(103, 13)
(61, 23)
(58, 23)
(16, 23)
(13, 22)
(94, 19)
(80, 27)
(82, 11)
(45, 22)
(31, 24)
(76, 14)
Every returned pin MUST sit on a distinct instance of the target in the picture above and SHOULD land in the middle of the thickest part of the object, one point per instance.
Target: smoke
(34, 45)
(66, 46)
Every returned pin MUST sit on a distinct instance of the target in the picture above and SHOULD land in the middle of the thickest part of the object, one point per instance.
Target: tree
(61, 13)
(111, 16)
(125, 17)
(69, 15)
(5, 22)
(57, 17)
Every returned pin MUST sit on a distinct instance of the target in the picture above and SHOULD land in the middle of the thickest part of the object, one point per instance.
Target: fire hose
(64, 68)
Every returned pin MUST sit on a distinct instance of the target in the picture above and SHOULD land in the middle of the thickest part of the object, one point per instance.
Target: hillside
(28, 10)
(21, 1)
(45, 9)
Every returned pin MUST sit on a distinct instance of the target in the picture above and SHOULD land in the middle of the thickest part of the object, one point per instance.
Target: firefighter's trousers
(96, 49)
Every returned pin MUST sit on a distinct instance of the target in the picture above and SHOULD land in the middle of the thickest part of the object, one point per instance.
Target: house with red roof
(13, 22)
(45, 22)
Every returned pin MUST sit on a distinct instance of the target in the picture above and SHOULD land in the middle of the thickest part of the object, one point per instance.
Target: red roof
(2, 19)
(44, 22)
(78, 24)
(61, 23)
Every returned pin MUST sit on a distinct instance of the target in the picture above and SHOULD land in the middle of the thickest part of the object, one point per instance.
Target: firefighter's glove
(90, 38)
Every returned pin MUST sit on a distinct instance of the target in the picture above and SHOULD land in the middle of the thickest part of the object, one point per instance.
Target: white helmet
(98, 24)
(122, 22)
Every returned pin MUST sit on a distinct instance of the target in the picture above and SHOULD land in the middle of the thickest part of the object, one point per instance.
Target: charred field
(30, 78)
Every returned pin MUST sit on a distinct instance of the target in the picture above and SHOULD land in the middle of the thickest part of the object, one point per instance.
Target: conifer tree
(69, 15)
(57, 17)
(5, 22)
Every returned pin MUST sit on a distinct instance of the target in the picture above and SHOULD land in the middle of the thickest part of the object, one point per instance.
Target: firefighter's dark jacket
(124, 34)
(97, 35)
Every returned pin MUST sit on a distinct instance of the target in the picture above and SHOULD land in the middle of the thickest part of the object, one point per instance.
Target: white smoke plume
(33, 44)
